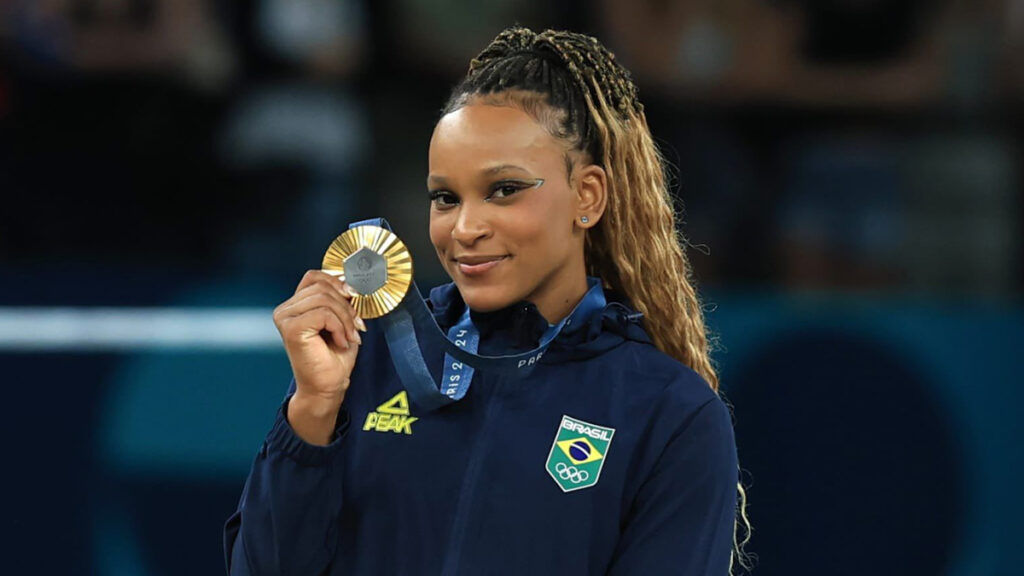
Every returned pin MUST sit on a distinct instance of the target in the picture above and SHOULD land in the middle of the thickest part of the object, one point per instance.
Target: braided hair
(575, 88)
(582, 95)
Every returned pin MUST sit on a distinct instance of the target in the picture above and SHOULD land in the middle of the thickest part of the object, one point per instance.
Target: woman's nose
(471, 225)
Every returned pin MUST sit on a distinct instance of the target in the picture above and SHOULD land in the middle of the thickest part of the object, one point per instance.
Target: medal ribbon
(412, 320)
(458, 375)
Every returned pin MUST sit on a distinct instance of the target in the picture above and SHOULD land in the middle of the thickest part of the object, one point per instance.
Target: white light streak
(136, 329)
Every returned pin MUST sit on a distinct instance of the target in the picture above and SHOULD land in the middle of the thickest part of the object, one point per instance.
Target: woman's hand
(320, 331)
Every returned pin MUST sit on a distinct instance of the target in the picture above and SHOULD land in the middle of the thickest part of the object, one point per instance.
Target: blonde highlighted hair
(636, 248)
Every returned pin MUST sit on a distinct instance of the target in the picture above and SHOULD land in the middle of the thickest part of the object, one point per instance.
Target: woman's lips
(478, 267)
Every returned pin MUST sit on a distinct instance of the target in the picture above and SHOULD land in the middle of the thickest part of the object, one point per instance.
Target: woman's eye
(443, 199)
(506, 189)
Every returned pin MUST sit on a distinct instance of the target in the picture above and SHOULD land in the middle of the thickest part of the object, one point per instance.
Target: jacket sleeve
(681, 520)
(286, 522)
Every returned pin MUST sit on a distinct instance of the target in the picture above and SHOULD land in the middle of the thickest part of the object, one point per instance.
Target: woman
(615, 456)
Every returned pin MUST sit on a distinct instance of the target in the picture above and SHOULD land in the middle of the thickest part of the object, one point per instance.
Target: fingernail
(357, 337)
(351, 290)
(360, 324)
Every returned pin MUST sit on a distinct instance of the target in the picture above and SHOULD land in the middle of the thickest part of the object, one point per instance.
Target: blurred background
(849, 174)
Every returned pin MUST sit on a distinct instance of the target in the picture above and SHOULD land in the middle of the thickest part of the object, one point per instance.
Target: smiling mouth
(478, 265)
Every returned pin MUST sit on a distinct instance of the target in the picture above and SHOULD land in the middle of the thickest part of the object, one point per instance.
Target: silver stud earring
(584, 219)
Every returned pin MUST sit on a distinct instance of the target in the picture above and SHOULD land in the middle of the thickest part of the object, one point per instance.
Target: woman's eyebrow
(502, 167)
(436, 180)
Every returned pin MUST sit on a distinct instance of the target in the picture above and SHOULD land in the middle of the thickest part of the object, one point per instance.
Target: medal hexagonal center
(366, 271)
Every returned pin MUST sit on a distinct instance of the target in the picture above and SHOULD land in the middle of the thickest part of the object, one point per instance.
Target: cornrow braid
(573, 86)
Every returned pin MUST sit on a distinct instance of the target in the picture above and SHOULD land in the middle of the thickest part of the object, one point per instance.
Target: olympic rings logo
(571, 473)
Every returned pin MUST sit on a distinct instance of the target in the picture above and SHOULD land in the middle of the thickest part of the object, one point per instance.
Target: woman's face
(501, 234)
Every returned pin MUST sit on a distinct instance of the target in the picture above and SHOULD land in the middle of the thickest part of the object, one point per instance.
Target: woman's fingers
(330, 282)
(334, 326)
(322, 322)
(313, 277)
(315, 297)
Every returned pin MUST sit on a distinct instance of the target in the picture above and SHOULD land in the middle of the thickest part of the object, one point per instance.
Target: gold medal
(375, 263)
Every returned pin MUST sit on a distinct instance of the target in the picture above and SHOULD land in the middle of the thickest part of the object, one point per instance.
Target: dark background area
(849, 176)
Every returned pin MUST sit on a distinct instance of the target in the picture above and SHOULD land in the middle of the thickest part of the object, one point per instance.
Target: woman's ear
(591, 195)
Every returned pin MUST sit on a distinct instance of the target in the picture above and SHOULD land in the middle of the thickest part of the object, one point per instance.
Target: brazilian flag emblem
(578, 453)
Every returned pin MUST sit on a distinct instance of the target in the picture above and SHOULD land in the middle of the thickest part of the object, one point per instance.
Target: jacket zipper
(469, 481)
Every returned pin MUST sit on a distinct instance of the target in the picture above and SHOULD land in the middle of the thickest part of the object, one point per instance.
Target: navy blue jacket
(466, 489)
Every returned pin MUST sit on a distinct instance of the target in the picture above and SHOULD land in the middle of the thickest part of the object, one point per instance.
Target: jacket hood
(519, 327)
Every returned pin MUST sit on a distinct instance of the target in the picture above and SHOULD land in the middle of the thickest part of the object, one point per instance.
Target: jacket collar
(519, 327)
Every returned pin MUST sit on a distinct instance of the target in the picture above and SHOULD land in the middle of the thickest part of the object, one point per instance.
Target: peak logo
(391, 416)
